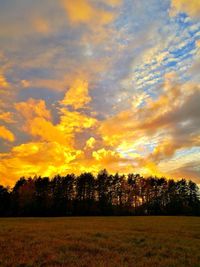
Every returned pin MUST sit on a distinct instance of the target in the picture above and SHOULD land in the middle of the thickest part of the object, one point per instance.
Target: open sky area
(93, 84)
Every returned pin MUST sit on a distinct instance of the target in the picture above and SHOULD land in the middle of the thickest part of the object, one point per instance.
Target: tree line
(103, 194)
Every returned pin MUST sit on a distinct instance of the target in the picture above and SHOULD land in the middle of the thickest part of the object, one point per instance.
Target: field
(100, 241)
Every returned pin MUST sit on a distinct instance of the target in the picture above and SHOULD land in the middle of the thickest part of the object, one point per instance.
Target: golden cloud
(101, 158)
(82, 11)
(38, 122)
(192, 8)
(90, 143)
(44, 129)
(73, 121)
(77, 95)
(117, 143)
(36, 158)
(7, 117)
(5, 91)
(33, 108)
(106, 155)
(169, 123)
(3, 82)
(6, 134)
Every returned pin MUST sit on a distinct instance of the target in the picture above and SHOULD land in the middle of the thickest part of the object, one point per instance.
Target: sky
(93, 84)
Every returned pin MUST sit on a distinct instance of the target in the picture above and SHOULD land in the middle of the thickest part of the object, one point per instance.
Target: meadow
(100, 241)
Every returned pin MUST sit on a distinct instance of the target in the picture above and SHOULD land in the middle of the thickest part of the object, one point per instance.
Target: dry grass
(100, 241)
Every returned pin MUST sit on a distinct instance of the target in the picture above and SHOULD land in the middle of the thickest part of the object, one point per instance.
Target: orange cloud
(119, 128)
(33, 108)
(197, 43)
(38, 122)
(150, 168)
(44, 129)
(118, 143)
(169, 123)
(101, 158)
(90, 143)
(153, 117)
(113, 2)
(71, 136)
(3, 82)
(73, 121)
(50, 84)
(77, 96)
(164, 150)
(41, 25)
(5, 91)
(192, 8)
(36, 158)
(6, 134)
(82, 11)
(7, 117)
(104, 154)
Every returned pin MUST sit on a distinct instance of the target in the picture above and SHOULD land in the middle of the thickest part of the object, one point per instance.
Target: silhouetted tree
(104, 194)
(43, 196)
(85, 194)
(4, 201)
(63, 190)
(15, 205)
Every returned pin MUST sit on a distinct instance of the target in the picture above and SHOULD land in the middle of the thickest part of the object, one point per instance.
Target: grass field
(100, 241)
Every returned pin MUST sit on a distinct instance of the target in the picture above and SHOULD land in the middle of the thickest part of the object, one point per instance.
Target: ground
(100, 241)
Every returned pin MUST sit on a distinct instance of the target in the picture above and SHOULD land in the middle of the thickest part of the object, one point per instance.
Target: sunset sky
(93, 84)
